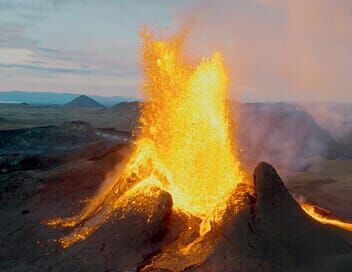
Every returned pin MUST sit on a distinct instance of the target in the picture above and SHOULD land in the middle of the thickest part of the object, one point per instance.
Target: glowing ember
(324, 216)
(184, 144)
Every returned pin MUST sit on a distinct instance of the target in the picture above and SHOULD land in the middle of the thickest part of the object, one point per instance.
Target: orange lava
(184, 145)
(324, 216)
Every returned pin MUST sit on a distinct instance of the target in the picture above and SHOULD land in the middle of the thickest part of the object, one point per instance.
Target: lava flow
(324, 216)
(184, 143)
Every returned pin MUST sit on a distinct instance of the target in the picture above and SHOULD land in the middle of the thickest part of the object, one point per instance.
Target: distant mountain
(127, 113)
(110, 101)
(51, 98)
(132, 107)
(84, 101)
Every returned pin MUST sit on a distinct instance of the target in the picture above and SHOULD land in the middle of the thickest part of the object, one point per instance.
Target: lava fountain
(184, 143)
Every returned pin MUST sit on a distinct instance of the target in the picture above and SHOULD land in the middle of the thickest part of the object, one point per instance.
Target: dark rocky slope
(269, 232)
(273, 233)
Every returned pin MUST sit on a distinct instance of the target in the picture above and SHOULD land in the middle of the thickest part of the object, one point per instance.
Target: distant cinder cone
(273, 233)
(84, 101)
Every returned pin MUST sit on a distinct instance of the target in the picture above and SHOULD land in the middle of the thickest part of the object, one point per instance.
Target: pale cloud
(80, 46)
(15, 55)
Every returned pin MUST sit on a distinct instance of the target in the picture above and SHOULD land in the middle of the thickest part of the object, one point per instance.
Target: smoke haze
(298, 51)
(280, 50)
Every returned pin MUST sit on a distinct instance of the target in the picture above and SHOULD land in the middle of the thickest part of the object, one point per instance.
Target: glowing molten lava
(185, 127)
(184, 144)
(324, 216)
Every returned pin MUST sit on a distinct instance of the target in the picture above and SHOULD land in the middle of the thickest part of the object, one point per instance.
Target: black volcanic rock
(125, 240)
(66, 135)
(84, 101)
(267, 232)
(287, 229)
(264, 230)
(46, 147)
(273, 233)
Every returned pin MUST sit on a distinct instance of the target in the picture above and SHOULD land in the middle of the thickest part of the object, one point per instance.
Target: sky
(275, 50)
(78, 46)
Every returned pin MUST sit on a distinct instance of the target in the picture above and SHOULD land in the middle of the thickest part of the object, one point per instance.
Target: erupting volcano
(168, 152)
(184, 144)
(184, 149)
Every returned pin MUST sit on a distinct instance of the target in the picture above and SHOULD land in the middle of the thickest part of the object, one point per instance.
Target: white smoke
(296, 51)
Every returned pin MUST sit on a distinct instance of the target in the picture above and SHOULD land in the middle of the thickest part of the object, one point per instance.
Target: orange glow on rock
(184, 145)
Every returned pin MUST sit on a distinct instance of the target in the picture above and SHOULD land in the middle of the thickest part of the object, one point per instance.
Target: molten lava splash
(184, 144)
(324, 216)
(187, 126)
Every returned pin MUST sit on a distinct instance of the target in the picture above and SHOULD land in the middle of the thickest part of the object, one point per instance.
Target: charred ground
(53, 158)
